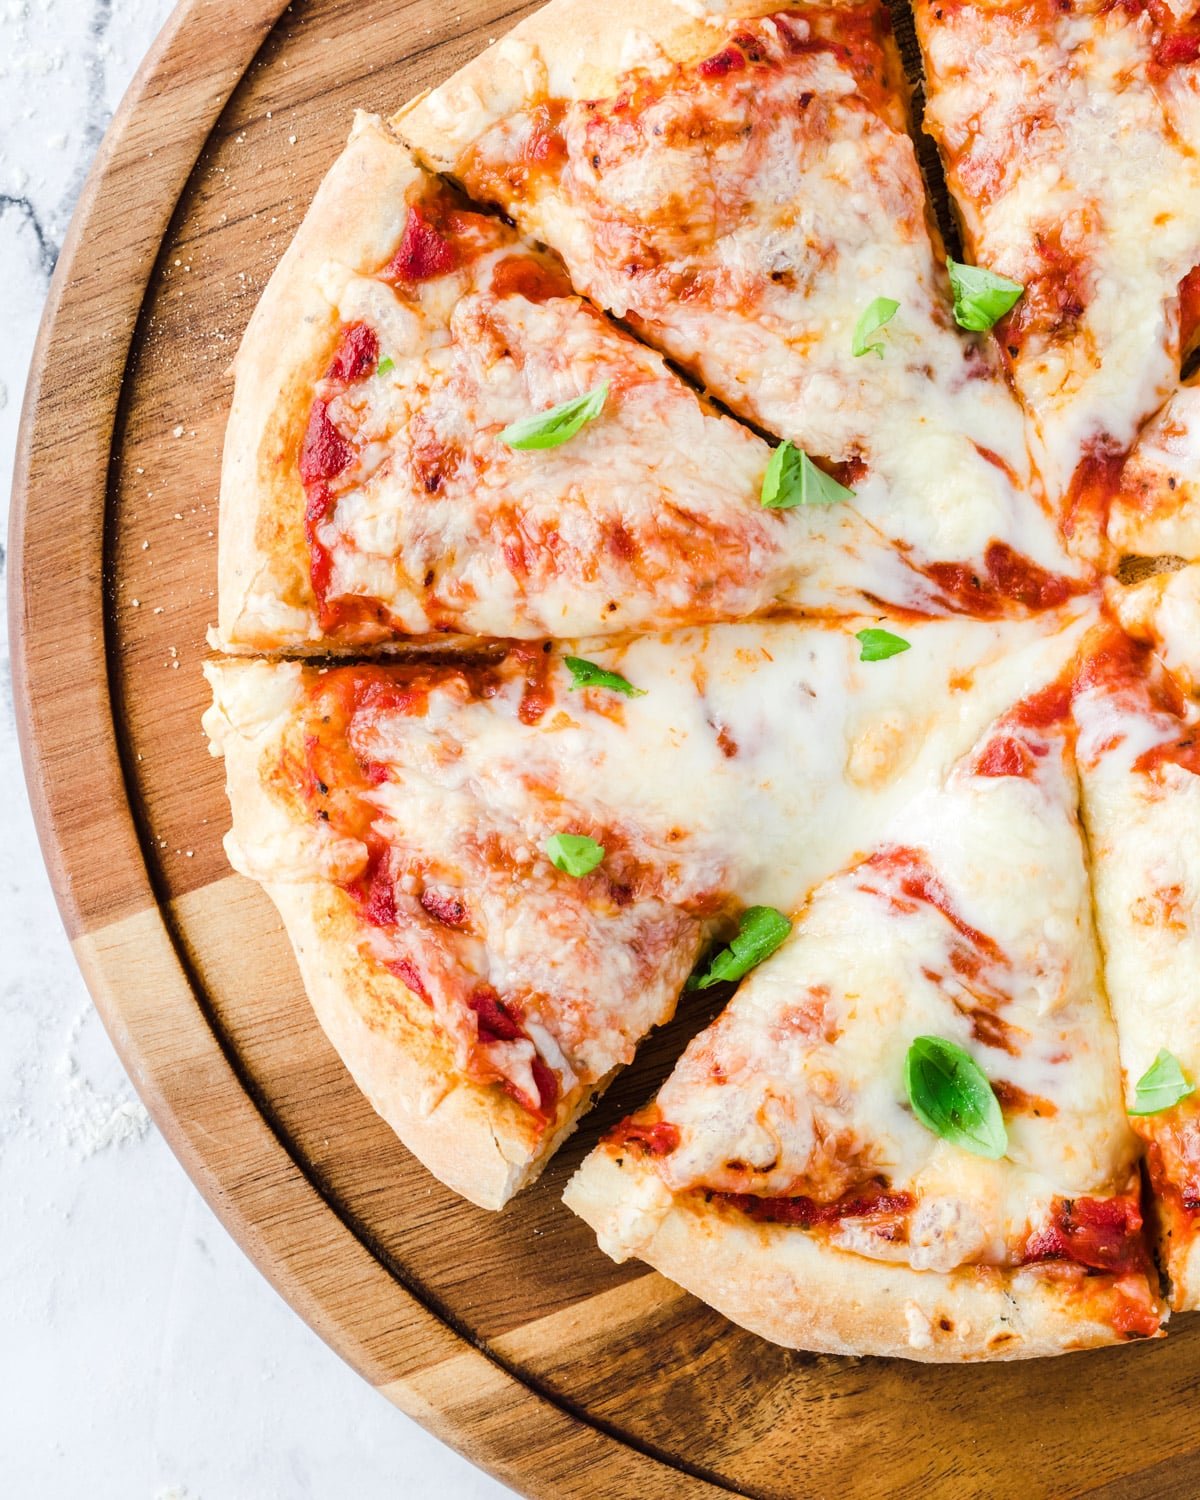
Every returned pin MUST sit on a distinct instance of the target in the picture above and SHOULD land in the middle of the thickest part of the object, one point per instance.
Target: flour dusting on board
(94, 1118)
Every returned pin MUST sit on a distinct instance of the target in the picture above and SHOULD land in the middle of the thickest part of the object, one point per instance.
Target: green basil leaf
(1163, 1084)
(981, 298)
(589, 674)
(573, 853)
(385, 366)
(877, 313)
(760, 931)
(950, 1095)
(550, 429)
(878, 645)
(793, 479)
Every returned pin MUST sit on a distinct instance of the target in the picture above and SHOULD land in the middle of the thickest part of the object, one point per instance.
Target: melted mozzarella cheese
(785, 205)
(1144, 831)
(761, 758)
(799, 1086)
(1157, 507)
(1065, 157)
(648, 518)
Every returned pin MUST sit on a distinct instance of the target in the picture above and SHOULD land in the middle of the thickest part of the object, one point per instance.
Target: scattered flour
(91, 1119)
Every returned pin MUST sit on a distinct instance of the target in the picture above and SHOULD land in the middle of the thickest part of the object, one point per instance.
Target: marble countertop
(141, 1355)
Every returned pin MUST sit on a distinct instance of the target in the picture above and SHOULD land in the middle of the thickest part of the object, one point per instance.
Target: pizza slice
(1139, 756)
(1069, 135)
(497, 873)
(905, 1134)
(431, 434)
(744, 192)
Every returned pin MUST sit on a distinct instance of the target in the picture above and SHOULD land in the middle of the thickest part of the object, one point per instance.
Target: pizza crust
(265, 597)
(472, 1136)
(789, 1287)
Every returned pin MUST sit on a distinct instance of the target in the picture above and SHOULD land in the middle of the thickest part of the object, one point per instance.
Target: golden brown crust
(265, 598)
(793, 1289)
(472, 1136)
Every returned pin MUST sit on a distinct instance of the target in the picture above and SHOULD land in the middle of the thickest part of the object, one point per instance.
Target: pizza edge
(265, 599)
(787, 1287)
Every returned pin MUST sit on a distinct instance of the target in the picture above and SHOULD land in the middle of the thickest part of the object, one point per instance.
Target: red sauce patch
(807, 1213)
(649, 1137)
(357, 354)
(445, 909)
(496, 1023)
(1189, 287)
(379, 903)
(729, 60)
(1005, 756)
(1104, 1234)
(1183, 752)
(525, 276)
(539, 692)
(1094, 485)
(1008, 578)
(423, 251)
(1057, 293)
(404, 969)
(324, 452)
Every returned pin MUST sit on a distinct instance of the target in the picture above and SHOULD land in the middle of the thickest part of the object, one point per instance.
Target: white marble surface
(141, 1355)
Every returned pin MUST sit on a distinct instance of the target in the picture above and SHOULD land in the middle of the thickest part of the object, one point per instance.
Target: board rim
(403, 1359)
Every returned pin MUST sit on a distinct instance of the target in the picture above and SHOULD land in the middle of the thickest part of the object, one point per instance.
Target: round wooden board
(511, 1336)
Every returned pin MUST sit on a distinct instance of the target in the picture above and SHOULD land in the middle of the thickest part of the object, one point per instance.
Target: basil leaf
(760, 931)
(589, 674)
(793, 479)
(879, 312)
(385, 366)
(573, 853)
(878, 645)
(951, 1096)
(981, 298)
(1163, 1084)
(550, 429)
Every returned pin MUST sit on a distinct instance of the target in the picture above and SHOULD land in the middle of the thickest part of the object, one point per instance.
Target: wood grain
(510, 1335)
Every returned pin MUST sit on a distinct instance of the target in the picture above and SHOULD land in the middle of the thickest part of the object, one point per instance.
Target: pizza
(403, 818)
(782, 1114)
(652, 569)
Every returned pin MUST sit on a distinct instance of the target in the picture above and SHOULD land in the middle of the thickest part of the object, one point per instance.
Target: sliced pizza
(497, 874)
(905, 1135)
(431, 434)
(745, 193)
(1139, 758)
(1069, 134)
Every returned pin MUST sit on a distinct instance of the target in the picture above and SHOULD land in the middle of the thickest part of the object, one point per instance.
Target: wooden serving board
(511, 1335)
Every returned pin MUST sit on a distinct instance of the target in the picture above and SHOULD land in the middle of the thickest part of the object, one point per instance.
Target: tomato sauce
(648, 1136)
(808, 1213)
(423, 252)
(1007, 578)
(1103, 1234)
